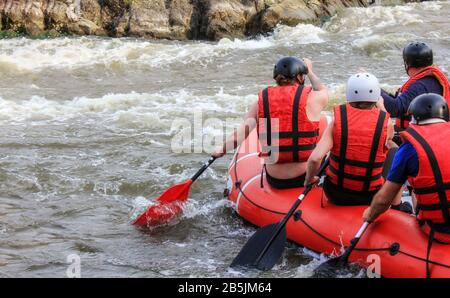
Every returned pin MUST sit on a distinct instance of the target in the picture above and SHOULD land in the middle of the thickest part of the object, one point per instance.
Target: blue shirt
(399, 105)
(404, 165)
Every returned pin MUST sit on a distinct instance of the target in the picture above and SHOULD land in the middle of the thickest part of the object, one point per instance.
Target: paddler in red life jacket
(424, 77)
(287, 118)
(424, 161)
(358, 139)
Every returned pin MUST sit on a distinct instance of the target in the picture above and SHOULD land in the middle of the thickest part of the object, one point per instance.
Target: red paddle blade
(166, 207)
(160, 214)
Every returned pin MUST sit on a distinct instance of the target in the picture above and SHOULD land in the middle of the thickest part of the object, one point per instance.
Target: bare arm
(320, 91)
(390, 135)
(315, 159)
(240, 134)
(315, 82)
(380, 104)
(382, 201)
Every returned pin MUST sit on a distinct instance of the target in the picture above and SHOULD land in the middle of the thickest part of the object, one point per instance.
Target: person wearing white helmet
(358, 140)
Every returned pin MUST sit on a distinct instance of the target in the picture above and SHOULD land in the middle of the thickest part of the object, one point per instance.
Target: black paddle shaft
(282, 223)
(203, 168)
(266, 246)
(353, 243)
(333, 265)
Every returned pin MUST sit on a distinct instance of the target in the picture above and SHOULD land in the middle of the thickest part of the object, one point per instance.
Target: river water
(87, 129)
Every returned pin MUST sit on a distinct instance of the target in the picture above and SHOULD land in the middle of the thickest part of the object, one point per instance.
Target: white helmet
(363, 87)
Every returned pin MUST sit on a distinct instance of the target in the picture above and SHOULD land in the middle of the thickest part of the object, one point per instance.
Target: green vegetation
(42, 35)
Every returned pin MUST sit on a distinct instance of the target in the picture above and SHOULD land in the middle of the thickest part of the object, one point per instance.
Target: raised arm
(319, 94)
(313, 78)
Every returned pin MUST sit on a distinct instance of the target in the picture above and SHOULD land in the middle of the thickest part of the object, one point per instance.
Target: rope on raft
(393, 249)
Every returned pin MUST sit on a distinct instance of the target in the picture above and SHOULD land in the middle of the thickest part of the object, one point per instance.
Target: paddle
(168, 205)
(265, 247)
(338, 262)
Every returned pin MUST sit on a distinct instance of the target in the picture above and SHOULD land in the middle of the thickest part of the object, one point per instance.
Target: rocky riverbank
(169, 19)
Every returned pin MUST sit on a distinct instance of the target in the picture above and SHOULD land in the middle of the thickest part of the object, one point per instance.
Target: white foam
(71, 53)
(195, 208)
(130, 110)
(379, 45)
(363, 20)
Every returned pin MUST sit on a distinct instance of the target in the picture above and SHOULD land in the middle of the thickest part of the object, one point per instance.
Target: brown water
(86, 130)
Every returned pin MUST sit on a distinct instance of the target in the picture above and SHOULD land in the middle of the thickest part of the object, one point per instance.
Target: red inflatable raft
(395, 241)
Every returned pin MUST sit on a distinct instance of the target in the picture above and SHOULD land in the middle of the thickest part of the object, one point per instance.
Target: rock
(168, 19)
(34, 17)
(161, 18)
(229, 18)
(12, 15)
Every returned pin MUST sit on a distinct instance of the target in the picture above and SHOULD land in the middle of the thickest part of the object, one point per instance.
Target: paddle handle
(362, 230)
(203, 168)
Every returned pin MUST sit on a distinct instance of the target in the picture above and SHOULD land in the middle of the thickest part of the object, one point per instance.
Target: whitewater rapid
(87, 125)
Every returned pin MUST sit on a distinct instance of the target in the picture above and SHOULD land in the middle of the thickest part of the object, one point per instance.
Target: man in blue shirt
(406, 161)
(396, 106)
(423, 160)
(424, 78)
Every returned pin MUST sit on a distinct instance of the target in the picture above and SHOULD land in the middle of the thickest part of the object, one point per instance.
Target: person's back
(293, 111)
(433, 172)
(358, 140)
(359, 149)
(422, 160)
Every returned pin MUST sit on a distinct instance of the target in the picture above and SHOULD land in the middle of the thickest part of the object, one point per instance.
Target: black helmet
(418, 54)
(427, 106)
(290, 67)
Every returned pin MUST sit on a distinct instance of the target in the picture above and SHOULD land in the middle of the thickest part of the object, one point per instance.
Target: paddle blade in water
(166, 207)
(330, 268)
(253, 255)
(160, 214)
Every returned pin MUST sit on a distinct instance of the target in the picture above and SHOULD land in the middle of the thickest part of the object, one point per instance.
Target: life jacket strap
(295, 136)
(374, 149)
(343, 149)
(268, 124)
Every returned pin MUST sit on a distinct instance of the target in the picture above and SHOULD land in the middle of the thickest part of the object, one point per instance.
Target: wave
(361, 20)
(136, 110)
(25, 54)
(382, 45)
(128, 108)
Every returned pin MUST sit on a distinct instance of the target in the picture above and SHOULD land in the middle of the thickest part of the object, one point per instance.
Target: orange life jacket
(284, 130)
(359, 148)
(432, 183)
(402, 122)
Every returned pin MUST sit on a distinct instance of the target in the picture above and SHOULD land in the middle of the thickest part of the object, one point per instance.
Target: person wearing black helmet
(287, 119)
(423, 161)
(423, 78)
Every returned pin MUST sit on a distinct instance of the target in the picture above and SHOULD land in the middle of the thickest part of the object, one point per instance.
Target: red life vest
(432, 184)
(403, 121)
(359, 148)
(284, 130)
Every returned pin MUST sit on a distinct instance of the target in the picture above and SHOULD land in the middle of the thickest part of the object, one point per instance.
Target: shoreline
(162, 19)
